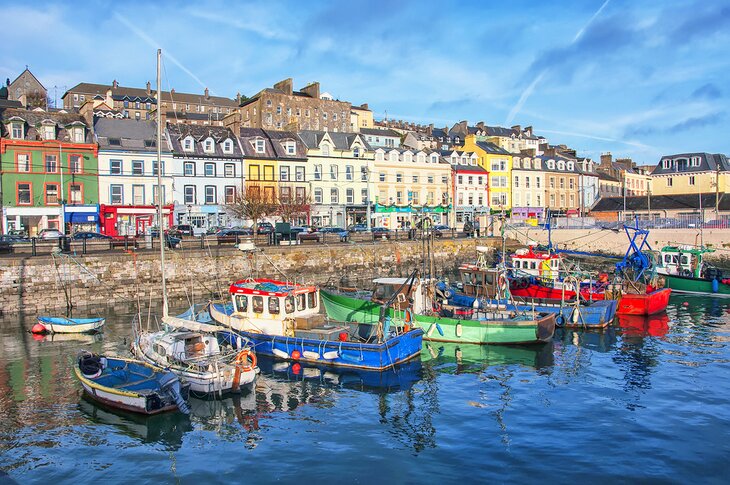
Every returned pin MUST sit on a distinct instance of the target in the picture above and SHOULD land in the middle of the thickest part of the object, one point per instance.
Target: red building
(131, 220)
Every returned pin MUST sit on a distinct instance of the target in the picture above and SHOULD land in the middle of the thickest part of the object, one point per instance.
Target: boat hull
(644, 304)
(687, 284)
(68, 325)
(445, 329)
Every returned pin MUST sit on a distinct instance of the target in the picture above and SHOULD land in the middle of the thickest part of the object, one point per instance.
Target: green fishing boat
(412, 303)
(685, 271)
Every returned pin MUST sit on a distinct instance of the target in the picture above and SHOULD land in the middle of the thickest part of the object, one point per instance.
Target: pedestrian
(476, 226)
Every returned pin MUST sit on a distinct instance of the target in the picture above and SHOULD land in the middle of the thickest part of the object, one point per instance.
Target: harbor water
(644, 400)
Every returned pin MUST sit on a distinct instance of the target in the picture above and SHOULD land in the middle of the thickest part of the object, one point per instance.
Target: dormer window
(325, 150)
(454, 160)
(228, 146)
(551, 164)
(49, 132)
(695, 161)
(393, 156)
(407, 157)
(667, 163)
(571, 167)
(516, 163)
(259, 145)
(188, 144)
(209, 146)
(78, 134)
(434, 158)
(16, 131)
(290, 147)
(356, 152)
(561, 165)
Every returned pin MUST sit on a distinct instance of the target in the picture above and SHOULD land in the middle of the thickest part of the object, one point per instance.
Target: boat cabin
(275, 300)
(385, 288)
(533, 262)
(186, 346)
(686, 261)
(479, 281)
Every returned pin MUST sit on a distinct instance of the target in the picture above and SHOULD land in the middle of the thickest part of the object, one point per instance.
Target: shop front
(403, 217)
(328, 215)
(81, 218)
(31, 219)
(132, 220)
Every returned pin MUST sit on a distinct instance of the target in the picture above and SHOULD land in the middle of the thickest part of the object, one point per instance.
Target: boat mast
(160, 193)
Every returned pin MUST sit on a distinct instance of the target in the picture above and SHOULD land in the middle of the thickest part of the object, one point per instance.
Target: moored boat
(67, 325)
(685, 271)
(282, 319)
(130, 384)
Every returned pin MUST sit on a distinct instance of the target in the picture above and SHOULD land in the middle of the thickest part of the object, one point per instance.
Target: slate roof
(491, 148)
(708, 162)
(605, 176)
(8, 103)
(661, 202)
(34, 118)
(273, 148)
(176, 133)
(342, 141)
(132, 135)
(131, 93)
(377, 132)
(469, 168)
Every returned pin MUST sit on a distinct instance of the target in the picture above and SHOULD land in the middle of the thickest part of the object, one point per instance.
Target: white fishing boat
(67, 325)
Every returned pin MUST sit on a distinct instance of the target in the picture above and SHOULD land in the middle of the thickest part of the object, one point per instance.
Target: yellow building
(498, 163)
(691, 173)
(361, 117)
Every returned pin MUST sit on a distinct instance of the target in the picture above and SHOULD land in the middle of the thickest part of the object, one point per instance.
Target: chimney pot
(115, 84)
(207, 93)
(149, 88)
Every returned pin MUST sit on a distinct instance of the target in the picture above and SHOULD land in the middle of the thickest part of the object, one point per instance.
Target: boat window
(555, 263)
(489, 278)
(518, 264)
(301, 302)
(533, 265)
(159, 349)
(241, 303)
(667, 258)
(685, 259)
(312, 300)
(289, 304)
(274, 305)
(383, 292)
(257, 303)
(465, 277)
(478, 278)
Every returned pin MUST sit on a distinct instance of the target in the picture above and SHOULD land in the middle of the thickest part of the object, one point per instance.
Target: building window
(334, 196)
(210, 169)
(300, 174)
(154, 167)
(74, 163)
(284, 173)
(430, 179)
(349, 172)
(325, 150)
(398, 178)
(189, 169)
(51, 163)
(285, 194)
(260, 147)
(333, 172)
(517, 181)
(317, 196)
(363, 174)
(562, 182)
(230, 194)
(23, 162)
(229, 170)
(571, 184)
(16, 132)
(460, 180)
(445, 179)
(155, 189)
(116, 194)
(51, 194)
(188, 145)
(24, 193)
(527, 183)
(228, 146)
(210, 195)
(669, 182)
(399, 197)
(381, 176)
(552, 182)
(350, 196)
(49, 132)
(209, 145)
(356, 152)
(138, 194)
(364, 195)
(75, 193)
(189, 192)
(318, 172)
(415, 179)
(537, 183)
(691, 179)
(137, 167)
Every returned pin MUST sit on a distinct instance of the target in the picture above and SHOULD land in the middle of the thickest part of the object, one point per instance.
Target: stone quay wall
(32, 285)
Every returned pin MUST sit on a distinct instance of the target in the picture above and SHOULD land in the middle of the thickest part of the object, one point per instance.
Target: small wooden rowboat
(130, 385)
(67, 325)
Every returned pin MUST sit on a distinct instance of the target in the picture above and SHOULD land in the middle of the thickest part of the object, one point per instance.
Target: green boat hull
(687, 284)
(444, 329)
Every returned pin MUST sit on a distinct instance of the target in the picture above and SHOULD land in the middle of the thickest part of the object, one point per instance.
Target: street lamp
(190, 217)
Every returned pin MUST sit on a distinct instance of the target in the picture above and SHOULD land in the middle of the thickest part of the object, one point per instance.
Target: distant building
(691, 173)
(470, 187)
(385, 138)
(361, 117)
(28, 90)
(282, 108)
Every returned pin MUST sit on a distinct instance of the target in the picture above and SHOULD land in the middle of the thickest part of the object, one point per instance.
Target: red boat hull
(540, 291)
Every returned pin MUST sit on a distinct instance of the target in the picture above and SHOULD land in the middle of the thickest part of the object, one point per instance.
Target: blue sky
(639, 79)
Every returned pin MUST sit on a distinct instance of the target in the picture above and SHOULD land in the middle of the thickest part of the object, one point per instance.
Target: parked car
(214, 230)
(90, 235)
(334, 231)
(172, 241)
(381, 233)
(718, 224)
(50, 234)
(441, 230)
(14, 239)
(232, 235)
(18, 232)
(183, 230)
(305, 234)
(358, 228)
(6, 246)
(265, 228)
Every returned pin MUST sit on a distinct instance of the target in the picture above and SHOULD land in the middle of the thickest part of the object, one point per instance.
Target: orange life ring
(246, 360)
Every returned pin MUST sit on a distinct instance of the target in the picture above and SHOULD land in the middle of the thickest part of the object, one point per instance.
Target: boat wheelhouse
(543, 264)
(685, 271)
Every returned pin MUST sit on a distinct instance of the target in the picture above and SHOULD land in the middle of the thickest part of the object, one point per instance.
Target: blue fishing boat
(130, 384)
(283, 320)
(67, 325)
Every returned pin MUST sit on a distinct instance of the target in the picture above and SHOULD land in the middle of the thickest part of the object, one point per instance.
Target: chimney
(312, 90)
(149, 88)
(606, 159)
(172, 91)
(286, 85)
(115, 84)
(207, 93)
(7, 81)
(364, 106)
(528, 130)
(238, 98)
(480, 125)
(517, 128)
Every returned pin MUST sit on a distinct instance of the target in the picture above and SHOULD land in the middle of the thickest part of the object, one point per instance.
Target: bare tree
(292, 204)
(251, 202)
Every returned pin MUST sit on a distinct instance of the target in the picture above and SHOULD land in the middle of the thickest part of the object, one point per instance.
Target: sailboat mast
(160, 192)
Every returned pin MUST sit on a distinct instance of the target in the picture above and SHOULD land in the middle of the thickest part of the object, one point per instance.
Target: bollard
(126, 243)
(83, 246)
(202, 241)
(33, 249)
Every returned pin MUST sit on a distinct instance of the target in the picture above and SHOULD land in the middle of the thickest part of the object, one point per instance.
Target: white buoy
(310, 355)
(332, 354)
(458, 330)
(280, 353)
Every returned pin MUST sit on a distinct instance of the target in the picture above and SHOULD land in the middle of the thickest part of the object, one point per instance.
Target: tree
(289, 205)
(251, 203)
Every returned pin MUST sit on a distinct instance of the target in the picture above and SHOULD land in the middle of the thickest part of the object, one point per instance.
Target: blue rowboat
(67, 325)
(130, 384)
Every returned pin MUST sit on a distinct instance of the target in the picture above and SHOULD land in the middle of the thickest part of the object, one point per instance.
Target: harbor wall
(32, 285)
(616, 242)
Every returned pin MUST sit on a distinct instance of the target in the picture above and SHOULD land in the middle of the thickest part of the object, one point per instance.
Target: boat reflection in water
(603, 341)
(457, 359)
(80, 338)
(167, 429)
(644, 326)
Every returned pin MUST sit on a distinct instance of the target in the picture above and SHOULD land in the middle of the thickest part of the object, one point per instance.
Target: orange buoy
(686, 303)
(245, 360)
(295, 354)
(343, 336)
(297, 367)
(39, 328)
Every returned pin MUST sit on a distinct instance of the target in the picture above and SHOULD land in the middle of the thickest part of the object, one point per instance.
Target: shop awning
(82, 217)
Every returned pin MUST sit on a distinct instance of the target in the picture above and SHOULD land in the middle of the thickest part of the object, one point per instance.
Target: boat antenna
(160, 192)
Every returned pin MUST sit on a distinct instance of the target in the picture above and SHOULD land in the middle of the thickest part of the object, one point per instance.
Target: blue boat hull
(598, 314)
(371, 356)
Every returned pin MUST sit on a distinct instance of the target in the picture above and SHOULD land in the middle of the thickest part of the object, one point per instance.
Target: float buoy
(246, 360)
(39, 328)
(295, 354)
(310, 355)
(296, 368)
(685, 304)
(332, 354)
(343, 336)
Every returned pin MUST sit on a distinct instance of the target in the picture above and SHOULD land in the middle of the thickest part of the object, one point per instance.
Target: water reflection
(643, 326)
(457, 359)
